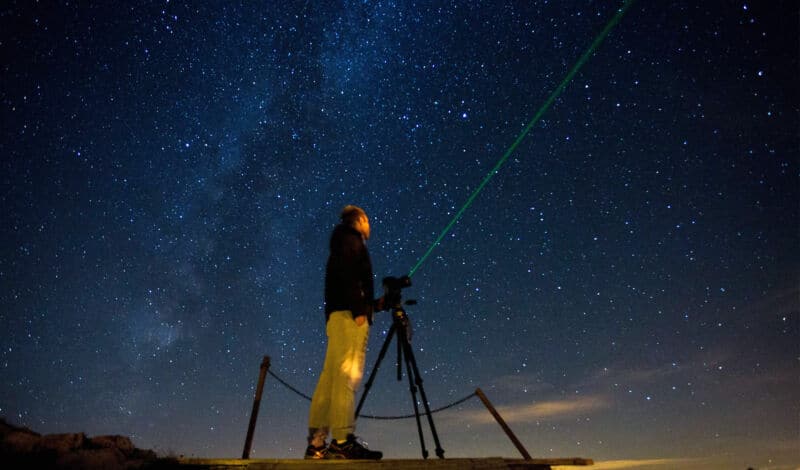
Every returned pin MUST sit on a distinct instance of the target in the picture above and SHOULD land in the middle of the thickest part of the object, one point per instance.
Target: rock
(62, 443)
(6, 428)
(106, 458)
(19, 442)
(119, 442)
(23, 448)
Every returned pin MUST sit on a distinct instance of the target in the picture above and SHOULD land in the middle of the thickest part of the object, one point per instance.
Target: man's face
(362, 225)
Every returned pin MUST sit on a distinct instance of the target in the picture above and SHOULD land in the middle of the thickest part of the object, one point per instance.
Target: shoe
(316, 453)
(352, 449)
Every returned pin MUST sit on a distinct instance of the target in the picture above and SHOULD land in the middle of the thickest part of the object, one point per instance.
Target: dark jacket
(348, 274)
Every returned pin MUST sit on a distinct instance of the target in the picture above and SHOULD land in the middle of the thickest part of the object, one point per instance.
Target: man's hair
(350, 214)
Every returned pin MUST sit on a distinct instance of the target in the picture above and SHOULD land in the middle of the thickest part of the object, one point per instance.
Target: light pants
(333, 403)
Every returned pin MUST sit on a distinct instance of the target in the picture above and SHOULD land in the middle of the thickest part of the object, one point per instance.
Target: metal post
(248, 442)
(503, 424)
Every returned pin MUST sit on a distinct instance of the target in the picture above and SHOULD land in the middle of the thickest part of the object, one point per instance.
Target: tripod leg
(418, 380)
(412, 386)
(371, 379)
(399, 361)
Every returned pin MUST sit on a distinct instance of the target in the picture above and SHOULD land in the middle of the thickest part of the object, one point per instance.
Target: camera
(391, 289)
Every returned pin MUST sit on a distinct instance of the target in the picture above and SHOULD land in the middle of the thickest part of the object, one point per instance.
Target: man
(349, 305)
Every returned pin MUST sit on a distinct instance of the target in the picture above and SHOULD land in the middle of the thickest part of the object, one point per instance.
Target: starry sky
(624, 289)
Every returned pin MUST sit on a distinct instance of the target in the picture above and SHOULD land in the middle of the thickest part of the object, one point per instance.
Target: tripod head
(391, 290)
(393, 301)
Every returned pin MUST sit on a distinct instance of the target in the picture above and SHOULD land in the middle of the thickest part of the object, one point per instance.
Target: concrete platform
(491, 463)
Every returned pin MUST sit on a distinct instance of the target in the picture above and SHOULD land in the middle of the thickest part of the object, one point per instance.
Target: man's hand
(360, 320)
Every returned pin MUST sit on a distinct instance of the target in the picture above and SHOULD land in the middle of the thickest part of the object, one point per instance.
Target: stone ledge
(491, 463)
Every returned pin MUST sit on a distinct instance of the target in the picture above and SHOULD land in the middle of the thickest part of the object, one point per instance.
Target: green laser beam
(575, 68)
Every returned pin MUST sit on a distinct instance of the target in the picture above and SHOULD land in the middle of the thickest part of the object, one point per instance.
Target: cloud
(780, 301)
(554, 409)
(528, 383)
(615, 464)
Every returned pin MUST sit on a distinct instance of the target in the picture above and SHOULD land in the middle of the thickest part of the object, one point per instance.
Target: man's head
(355, 217)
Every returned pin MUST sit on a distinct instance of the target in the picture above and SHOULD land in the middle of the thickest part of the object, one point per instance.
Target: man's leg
(347, 378)
(319, 413)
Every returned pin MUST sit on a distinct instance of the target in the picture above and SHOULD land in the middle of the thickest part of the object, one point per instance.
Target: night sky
(626, 288)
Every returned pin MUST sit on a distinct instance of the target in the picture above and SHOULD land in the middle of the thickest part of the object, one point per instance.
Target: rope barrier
(289, 386)
(441, 408)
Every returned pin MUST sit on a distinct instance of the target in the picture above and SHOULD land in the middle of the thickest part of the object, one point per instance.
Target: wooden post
(248, 442)
(503, 424)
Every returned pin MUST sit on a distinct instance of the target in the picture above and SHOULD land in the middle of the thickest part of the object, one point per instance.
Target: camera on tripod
(401, 327)
(391, 290)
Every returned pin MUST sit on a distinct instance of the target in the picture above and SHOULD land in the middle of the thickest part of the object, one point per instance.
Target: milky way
(625, 288)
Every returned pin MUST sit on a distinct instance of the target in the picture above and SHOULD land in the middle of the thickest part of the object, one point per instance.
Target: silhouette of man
(349, 307)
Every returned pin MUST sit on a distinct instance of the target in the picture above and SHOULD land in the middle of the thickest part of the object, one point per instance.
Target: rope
(289, 386)
(441, 408)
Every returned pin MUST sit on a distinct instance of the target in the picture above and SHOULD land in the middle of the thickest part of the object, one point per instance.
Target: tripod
(401, 326)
